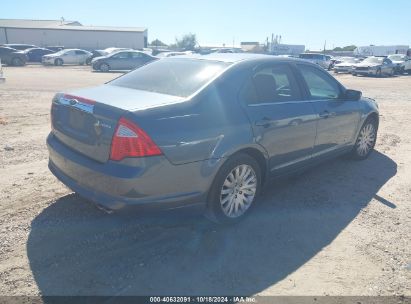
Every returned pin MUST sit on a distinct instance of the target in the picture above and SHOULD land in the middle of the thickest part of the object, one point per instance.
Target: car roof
(234, 57)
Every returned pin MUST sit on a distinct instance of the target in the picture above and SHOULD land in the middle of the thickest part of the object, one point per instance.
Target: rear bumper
(148, 182)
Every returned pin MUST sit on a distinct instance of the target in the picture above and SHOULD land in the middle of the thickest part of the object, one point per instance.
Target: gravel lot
(343, 228)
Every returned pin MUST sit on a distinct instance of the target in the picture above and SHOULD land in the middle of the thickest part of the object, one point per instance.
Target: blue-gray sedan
(204, 131)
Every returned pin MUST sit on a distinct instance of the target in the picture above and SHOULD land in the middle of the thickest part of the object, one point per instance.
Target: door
(119, 61)
(69, 57)
(80, 57)
(337, 119)
(387, 66)
(282, 122)
(137, 60)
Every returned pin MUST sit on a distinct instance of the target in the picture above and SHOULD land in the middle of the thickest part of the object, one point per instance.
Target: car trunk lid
(85, 120)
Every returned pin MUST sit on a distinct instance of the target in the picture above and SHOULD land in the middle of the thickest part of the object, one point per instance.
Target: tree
(157, 43)
(188, 42)
(345, 48)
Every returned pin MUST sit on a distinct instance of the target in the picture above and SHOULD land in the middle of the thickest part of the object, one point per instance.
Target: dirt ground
(343, 228)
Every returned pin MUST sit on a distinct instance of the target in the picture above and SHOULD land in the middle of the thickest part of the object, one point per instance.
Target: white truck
(382, 50)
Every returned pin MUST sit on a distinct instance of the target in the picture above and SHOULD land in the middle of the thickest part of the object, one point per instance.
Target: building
(286, 49)
(70, 34)
(382, 50)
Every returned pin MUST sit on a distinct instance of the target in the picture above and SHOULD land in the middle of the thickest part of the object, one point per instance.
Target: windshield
(373, 60)
(349, 60)
(178, 77)
(397, 57)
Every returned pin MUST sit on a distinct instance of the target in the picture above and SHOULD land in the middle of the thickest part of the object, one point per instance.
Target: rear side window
(271, 84)
(172, 76)
(319, 83)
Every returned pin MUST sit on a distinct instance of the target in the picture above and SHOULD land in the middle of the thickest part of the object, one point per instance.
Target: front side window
(136, 55)
(319, 83)
(122, 55)
(271, 84)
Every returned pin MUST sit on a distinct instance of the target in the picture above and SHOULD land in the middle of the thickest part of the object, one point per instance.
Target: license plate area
(77, 119)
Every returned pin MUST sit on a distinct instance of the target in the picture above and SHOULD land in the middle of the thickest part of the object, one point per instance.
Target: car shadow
(75, 249)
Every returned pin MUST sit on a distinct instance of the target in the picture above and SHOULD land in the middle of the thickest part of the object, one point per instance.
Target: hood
(398, 61)
(368, 64)
(99, 58)
(344, 64)
(51, 55)
(125, 98)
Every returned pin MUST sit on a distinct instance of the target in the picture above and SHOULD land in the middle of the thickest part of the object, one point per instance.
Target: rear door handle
(264, 122)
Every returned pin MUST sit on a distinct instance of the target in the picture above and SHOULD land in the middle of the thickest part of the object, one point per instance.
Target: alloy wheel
(238, 191)
(366, 139)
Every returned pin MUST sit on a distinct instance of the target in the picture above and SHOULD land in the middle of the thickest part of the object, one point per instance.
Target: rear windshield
(178, 77)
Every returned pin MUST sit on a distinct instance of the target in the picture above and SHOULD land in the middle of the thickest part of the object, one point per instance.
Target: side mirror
(352, 95)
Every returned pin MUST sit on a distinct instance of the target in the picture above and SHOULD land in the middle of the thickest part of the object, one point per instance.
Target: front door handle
(264, 122)
(326, 114)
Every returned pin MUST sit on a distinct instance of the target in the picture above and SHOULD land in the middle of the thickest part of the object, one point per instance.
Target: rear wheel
(17, 61)
(366, 140)
(104, 67)
(234, 189)
(58, 62)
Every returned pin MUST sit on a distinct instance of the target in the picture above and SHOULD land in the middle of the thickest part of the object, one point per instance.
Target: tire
(88, 61)
(354, 74)
(392, 73)
(365, 142)
(408, 72)
(379, 73)
(16, 61)
(58, 62)
(234, 190)
(104, 67)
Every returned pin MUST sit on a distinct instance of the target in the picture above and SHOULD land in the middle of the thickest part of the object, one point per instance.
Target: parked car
(122, 60)
(375, 66)
(402, 63)
(345, 65)
(36, 54)
(20, 47)
(12, 57)
(67, 56)
(2, 78)
(318, 59)
(205, 131)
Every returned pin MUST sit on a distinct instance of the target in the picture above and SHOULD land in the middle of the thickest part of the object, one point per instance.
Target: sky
(339, 23)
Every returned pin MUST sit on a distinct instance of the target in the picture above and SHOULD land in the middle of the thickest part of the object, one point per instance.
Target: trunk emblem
(73, 102)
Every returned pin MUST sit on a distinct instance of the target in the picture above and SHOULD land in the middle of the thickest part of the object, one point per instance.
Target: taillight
(130, 140)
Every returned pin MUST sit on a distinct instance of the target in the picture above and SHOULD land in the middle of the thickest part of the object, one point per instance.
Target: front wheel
(379, 73)
(58, 62)
(234, 189)
(17, 62)
(366, 139)
(104, 67)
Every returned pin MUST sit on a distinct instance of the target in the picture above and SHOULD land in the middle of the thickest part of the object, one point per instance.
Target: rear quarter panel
(210, 125)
